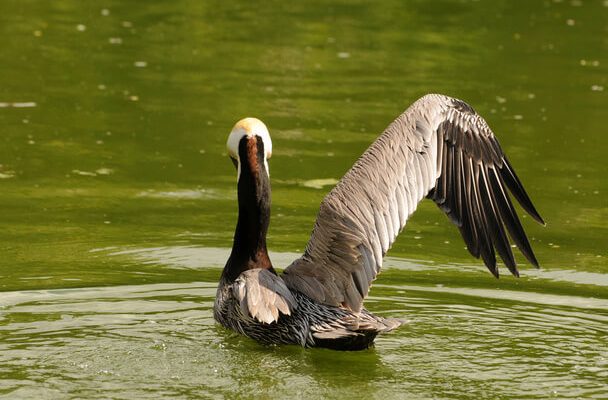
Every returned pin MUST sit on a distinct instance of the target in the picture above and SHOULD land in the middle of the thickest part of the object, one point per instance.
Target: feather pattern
(438, 148)
(263, 295)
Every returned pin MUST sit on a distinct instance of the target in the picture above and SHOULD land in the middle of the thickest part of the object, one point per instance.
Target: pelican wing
(263, 295)
(438, 148)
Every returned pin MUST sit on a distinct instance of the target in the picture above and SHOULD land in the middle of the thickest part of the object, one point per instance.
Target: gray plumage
(263, 295)
(438, 148)
(306, 323)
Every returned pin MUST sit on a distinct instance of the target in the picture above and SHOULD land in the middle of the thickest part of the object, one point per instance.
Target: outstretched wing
(263, 295)
(440, 148)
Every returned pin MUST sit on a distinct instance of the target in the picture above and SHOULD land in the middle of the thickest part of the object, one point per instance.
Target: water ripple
(457, 337)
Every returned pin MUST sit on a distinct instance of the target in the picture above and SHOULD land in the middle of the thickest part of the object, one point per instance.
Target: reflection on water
(144, 340)
(111, 338)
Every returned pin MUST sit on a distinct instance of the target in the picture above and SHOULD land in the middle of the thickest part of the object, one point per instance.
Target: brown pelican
(438, 148)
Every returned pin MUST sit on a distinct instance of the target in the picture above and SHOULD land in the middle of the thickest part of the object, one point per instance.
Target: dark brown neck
(249, 246)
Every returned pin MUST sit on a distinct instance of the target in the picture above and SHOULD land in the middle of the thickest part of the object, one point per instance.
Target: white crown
(248, 127)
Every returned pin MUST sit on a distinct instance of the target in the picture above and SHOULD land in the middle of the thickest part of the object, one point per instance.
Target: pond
(118, 200)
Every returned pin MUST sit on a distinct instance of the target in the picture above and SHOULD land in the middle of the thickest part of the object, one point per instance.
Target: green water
(118, 203)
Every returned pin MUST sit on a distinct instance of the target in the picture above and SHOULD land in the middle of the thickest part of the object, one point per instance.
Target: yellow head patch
(248, 127)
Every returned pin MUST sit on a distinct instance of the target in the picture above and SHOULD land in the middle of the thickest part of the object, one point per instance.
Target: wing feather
(401, 204)
(394, 211)
(262, 295)
(438, 148)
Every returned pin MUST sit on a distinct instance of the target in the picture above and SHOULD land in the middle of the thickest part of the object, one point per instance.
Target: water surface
(118, 203)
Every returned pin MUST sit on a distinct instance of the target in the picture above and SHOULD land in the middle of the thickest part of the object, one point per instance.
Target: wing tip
(492, 267)
(535, 263)
(536, 216)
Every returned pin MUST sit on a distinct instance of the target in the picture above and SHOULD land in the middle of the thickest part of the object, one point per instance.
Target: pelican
(439, 148)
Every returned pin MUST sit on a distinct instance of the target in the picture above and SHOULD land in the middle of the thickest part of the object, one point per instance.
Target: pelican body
(439, 148)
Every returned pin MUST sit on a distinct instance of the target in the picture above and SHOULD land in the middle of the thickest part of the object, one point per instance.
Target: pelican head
(248, 128)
